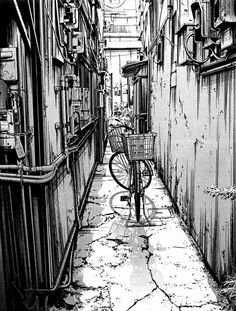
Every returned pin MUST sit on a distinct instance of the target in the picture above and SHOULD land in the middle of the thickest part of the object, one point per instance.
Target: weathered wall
(58, 123)
(194, 118)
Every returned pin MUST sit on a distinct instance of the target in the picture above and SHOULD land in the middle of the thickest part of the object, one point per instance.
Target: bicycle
(119, 165)
(138, 148)
(129, 164)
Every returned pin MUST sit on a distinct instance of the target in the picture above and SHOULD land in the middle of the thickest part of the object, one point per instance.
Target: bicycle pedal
(124, 197)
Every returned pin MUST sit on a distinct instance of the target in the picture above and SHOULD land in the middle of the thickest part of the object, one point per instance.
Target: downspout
(169, 8)
(67, 116)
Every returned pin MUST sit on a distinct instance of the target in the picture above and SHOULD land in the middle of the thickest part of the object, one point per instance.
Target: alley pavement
(151, 266)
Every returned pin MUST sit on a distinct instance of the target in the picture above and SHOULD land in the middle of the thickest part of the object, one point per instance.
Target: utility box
(6, 119)
(223, 12)
(8, 65)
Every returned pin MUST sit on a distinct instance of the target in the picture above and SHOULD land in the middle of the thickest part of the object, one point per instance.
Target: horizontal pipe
(41, 179)
(83, 140)
(34, 169)
(27, 179)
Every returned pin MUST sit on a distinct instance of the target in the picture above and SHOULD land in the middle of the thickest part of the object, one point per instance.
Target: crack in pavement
(106, 218)
(202, 305)
(157, 287)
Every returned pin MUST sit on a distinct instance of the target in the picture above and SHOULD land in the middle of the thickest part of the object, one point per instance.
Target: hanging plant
(223, 193)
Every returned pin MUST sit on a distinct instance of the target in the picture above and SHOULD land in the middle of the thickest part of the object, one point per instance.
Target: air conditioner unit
(224, 11)
(228, 38)
(203, 21)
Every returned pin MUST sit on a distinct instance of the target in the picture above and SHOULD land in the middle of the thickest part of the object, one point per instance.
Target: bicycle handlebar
(142, 115)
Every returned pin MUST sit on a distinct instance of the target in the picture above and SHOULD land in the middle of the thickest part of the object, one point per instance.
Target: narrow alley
(120, 266)
(158, 78)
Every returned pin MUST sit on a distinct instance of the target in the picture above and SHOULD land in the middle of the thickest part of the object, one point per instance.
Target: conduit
(50, 171)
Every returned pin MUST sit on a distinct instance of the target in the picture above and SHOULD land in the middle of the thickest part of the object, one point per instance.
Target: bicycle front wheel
(137, 188)
(120, 169)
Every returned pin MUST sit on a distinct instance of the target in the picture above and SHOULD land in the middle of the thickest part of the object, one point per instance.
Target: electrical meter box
(7, 139)
(8, 65)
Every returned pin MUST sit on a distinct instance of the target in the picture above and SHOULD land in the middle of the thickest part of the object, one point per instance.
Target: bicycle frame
(135, 186)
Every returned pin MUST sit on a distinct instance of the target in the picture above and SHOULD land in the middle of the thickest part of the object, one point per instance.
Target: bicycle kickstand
(144, 213)
(129, 204)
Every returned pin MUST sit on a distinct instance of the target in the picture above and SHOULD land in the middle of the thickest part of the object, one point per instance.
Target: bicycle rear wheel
(120, 170)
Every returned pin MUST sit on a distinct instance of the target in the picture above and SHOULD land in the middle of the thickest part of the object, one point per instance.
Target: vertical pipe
(35, 209)
(3, 300)
(49, 237)
(33, 235)
(63, 109)
(26, 236)
(67, 102)
(111, 103)
(13, 238)
(43, 100)
(30, 109)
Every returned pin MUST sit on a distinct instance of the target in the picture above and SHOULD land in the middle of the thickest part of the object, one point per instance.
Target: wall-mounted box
(228, 39)
(8, 65)
(223, 12)
(77, 42)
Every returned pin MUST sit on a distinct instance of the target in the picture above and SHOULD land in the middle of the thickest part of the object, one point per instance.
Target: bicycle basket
(115, 140)
(139, 146)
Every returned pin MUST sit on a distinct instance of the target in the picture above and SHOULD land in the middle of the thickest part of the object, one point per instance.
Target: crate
(115, 140)
(139, 146)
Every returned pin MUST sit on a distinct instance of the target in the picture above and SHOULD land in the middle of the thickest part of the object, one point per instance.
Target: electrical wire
(58, 24)
(113, 7)
(191, 34)
(212, 53)
(224, 57)
(34, 31)
(56, 37)
(159, 21)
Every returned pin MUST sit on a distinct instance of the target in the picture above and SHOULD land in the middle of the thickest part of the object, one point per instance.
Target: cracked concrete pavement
(152, 266)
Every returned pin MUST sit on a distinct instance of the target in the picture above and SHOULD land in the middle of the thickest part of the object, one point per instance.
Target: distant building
(122, 44)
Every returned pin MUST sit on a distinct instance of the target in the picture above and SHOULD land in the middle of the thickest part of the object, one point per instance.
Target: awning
(133, 68)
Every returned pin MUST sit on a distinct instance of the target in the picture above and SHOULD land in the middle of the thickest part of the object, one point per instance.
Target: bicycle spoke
(120, 169)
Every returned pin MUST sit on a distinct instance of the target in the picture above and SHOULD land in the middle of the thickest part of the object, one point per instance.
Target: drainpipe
(67, 116)
(93, 11)
(169, 8)
(63, 109)
(74, 99)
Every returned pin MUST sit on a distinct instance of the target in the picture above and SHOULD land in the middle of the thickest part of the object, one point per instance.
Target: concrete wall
(194, 116)
(43, 188)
